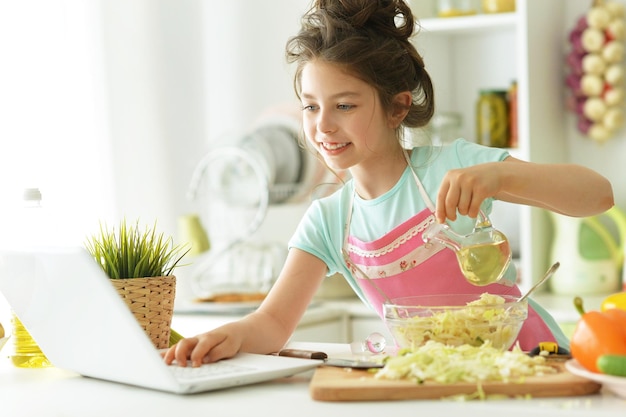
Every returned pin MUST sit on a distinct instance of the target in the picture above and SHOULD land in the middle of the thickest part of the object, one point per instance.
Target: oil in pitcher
(484, 263)
(484, 255)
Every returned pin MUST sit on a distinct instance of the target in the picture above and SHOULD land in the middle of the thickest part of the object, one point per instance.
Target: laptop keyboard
(205, 371)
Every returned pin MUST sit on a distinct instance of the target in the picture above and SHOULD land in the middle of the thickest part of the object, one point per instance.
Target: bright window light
(52, 116)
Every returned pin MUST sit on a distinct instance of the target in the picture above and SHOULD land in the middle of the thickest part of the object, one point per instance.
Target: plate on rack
(223, 308)
(615, 384)
(234, 308)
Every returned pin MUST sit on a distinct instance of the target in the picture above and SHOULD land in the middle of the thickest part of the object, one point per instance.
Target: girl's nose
(325, 122)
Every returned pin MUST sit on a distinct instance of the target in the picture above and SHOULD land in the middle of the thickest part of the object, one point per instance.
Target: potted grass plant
(139, 262)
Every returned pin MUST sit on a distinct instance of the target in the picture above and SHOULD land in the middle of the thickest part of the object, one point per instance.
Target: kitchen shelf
(469, 24)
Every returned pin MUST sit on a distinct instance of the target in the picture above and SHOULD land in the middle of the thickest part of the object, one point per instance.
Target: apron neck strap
(423, 192)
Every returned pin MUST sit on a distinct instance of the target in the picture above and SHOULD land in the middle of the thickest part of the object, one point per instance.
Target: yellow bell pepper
(617, 300)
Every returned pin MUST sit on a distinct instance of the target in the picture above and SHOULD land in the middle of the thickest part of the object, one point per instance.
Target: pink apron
(402, 265)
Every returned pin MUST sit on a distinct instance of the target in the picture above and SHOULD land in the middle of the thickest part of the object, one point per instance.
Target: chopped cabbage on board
(446, 364)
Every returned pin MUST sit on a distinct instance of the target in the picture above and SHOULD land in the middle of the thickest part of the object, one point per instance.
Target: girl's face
(343, 118)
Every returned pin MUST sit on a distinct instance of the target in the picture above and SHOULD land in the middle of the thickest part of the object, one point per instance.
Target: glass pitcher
(483, 255)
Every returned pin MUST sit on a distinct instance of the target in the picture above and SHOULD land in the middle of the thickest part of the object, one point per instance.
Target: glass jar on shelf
(513, 124)
(492, 118)
(453, 8)
(498, 6)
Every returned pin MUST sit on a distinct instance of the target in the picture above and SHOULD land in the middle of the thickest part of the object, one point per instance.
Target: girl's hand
(463, 190)
(204, 348)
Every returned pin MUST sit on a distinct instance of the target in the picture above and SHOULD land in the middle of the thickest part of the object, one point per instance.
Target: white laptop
(71, 309)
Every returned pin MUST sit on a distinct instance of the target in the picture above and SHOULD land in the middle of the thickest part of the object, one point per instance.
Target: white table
(58, 393)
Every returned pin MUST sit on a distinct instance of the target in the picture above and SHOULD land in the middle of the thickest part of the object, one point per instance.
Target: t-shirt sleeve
(470, 153)
(313, 236)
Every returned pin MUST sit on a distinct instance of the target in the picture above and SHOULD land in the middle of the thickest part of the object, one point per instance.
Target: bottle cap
(492, 91)
(31, 194)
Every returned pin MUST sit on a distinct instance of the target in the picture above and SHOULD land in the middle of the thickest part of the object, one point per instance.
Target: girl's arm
(568, 189)
(268, 328)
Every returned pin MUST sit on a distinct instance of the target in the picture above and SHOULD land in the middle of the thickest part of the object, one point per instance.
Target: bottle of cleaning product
(591, 257)
(26, 352)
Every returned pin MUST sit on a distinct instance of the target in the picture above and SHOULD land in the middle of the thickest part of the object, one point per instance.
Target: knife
(337, 362)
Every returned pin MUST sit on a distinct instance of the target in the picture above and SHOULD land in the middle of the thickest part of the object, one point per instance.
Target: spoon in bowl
(545, 277)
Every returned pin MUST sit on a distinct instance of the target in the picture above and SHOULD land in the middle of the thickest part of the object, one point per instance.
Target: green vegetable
(175, 337)
(612, 364)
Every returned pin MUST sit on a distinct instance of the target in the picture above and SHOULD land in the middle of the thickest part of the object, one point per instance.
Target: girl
(361, 82)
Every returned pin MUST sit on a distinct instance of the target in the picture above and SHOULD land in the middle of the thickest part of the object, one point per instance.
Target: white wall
(245, 60)
(182, 74)
(52, 118)
(154, 70)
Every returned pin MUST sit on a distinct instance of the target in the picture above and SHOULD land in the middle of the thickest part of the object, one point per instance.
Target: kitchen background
(109, 106)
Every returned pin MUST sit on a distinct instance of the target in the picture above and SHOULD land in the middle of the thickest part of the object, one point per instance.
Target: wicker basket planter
(139, 262)
(151, 300)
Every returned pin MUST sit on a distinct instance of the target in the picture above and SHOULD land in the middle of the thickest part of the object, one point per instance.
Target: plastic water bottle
(26, 352)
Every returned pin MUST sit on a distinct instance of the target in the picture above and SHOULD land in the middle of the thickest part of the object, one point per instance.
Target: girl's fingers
(441, 211)
(182, 350)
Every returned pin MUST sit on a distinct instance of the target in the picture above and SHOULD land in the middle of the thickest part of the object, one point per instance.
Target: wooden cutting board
(341, 384)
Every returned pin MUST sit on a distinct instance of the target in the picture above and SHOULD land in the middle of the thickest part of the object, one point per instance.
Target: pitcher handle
(482, 221)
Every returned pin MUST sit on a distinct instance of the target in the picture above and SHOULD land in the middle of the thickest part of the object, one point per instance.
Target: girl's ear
(399, 108)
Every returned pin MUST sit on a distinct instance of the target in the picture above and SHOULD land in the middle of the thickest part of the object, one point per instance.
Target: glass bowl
(455, 319)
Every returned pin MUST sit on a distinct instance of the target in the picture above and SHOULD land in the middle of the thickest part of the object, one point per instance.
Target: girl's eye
(345, 106)
(308, 107)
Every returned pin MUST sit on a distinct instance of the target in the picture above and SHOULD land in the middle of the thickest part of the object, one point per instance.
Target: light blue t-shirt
(321, 231)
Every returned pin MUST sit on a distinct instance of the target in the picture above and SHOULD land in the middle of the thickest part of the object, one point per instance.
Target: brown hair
(370, 39)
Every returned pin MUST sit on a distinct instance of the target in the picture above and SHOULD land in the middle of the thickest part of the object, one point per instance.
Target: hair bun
(384, 17)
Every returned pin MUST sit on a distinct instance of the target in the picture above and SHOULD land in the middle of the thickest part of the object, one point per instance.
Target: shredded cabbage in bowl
(490, 318)
(445, 364)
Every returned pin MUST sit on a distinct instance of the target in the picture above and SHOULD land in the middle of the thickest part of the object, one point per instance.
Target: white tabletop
(55, 392)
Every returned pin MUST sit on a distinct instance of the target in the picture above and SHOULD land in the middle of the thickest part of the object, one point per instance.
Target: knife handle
(301, 353)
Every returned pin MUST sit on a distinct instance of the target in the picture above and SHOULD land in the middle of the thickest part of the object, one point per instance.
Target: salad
(488, 318)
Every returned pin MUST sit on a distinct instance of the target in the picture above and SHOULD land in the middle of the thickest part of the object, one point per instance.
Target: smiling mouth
(333, 146)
